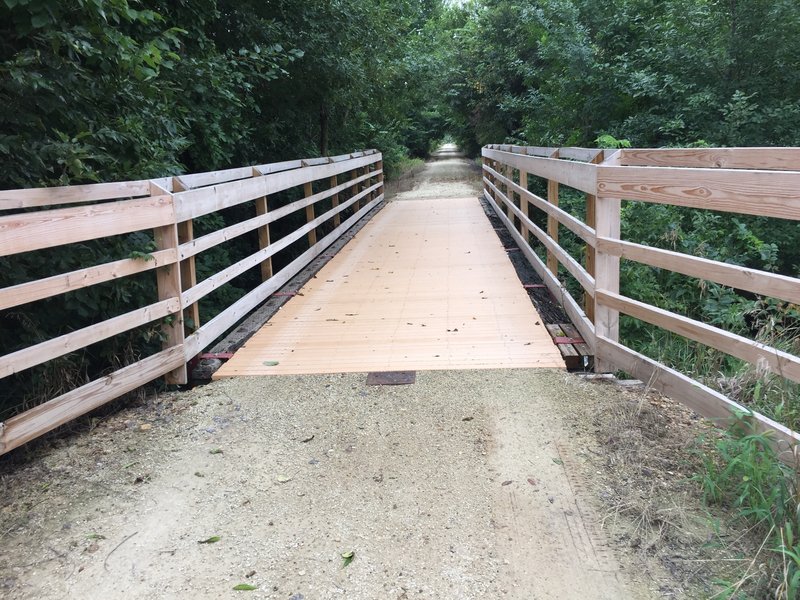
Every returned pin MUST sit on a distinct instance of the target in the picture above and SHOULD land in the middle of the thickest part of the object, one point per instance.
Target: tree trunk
(323, 130)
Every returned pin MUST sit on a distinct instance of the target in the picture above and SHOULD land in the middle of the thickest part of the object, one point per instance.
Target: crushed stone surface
(462, 485)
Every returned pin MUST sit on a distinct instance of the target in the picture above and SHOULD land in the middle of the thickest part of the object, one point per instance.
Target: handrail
(756, 181)
(35, 219)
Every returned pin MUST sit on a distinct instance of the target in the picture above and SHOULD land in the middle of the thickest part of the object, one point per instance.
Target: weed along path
(473, 484)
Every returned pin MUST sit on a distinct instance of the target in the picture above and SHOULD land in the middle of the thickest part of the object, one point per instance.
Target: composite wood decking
(425, 285)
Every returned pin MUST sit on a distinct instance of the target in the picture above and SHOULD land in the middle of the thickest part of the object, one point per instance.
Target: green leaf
(95, 536)
(212, 540)
(558, 461)
(215, 451)
(270, 363)
(245, 587)
(347, 558)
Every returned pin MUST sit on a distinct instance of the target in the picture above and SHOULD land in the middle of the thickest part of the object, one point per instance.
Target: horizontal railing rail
(347, 187)
(753, 181)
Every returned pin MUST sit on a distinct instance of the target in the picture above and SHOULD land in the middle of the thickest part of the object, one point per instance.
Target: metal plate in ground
(391, 378)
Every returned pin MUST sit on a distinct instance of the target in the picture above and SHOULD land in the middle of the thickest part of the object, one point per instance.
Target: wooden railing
(36, 219)
(753, 181)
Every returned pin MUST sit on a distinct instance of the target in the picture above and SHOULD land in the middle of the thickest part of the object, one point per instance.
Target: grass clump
(744, 473)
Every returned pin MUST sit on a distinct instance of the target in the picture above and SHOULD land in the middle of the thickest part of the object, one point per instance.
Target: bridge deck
(425, 285)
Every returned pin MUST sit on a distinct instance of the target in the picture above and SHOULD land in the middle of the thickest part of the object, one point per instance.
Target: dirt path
(466, 484)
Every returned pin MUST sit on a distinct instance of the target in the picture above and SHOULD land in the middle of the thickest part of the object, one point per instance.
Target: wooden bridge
(425, 285)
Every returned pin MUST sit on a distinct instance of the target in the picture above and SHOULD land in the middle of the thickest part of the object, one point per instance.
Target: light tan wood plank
(581, 176)
(45, 417)
(23, 293)
(49, 228)
(75, 340)
(195, 203)
(388, 299)
(752, 280)
(765, 193)
(70, 194)
(779, 362)
(782, 159)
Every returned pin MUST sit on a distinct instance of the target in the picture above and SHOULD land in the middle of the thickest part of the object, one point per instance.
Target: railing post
(523, 205)
(262, 207)
(379, 167)
(606, 266)
(356, 188)
(552, 222)
(591, 221)
(168, 279)
(337, 218)
(308, 190)
(191, 313)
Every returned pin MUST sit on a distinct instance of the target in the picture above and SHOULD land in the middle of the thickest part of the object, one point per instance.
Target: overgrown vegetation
(746, 475)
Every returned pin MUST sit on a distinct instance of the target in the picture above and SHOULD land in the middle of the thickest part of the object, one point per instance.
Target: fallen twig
(105, 562)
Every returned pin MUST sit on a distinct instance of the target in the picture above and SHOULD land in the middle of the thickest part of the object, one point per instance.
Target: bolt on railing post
(170, 285)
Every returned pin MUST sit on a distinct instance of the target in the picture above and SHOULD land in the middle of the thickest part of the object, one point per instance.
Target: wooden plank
(781, 159)
(75, 340)
(168, 279)
(70, 194)
(188, 269)
(23, 293)
(263, 237)
(735, 276)
(524, 204)
(571, 331)
(47, 416)
(700, 398)
(239, 309)
(227, 274)
(552, 222)
(333, 183)
(361, 321)
(570, 264)
(561, 295)
(197, 180)
(210, 240)
(48, 228)
(590, 155)
(591, 221)
(606, 319)
(765, 193)
(779, 362)
(564, 218)
(195, 203)
(308, 191)
(577, 175)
